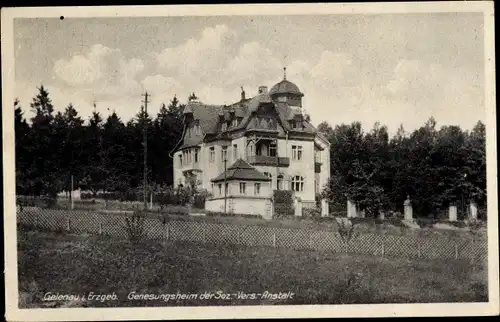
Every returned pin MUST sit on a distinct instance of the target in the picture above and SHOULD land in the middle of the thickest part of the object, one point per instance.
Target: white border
(234, 312)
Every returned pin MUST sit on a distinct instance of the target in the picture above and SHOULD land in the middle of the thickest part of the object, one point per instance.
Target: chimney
(262, 89)
(242, 94)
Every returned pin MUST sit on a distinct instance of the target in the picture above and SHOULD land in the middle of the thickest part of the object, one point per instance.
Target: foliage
(283, 203)
(311, 212)
(102, 156)
(134, 225)
(435, 167)
(346, 231)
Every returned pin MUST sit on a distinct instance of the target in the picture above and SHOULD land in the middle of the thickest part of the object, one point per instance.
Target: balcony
(269, 161)
(190, 167)
(317, 167)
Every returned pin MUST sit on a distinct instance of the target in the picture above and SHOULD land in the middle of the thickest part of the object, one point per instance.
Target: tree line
(101, 154)
(435, 167)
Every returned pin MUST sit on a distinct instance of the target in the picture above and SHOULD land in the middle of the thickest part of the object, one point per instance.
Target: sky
(395, 69)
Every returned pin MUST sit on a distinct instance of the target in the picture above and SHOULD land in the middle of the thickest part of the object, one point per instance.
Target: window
(213, 190)
(227, 189)
(223, 153)
(211, 154)
(297, 152)
(196, 156)
(235, 151)
(317, 156)
(234, 123)
(257, 189)
(243, 187)
(272, 149)
(297, 183)
(220, 189)
(180, 160)
(297, 125)
(316, 186)
(251, 148)
(224, 126)
(280, 182)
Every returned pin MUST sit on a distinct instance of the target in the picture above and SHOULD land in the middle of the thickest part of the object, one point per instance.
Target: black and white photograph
(235, 161)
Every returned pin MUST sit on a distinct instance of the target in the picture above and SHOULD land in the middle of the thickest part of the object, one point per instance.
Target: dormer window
(296, 124)
(234, 123)
(224, 126)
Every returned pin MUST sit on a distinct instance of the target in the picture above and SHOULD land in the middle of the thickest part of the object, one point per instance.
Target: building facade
(268, 131)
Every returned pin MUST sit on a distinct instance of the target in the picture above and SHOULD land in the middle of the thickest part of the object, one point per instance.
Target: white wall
(242, 205)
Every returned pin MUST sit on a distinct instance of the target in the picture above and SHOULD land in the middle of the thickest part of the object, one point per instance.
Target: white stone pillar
(408, 210)
(452, 212)
(298, 207)
(473, 210)
(324, 208)
(351, 209)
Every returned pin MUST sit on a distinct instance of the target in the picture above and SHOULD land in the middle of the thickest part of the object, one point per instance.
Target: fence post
(311, 240)
(456, 251)
(68, 224)
(383, 250)
(274, 239)
(100, 228)
(238, 237)
(203, 237)
(419, 249)
(168, 232)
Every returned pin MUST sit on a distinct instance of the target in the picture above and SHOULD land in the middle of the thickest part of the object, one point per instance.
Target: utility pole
(145, 142)
(225, 184)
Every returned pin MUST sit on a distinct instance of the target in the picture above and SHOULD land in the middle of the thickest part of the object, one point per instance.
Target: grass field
(78, 264)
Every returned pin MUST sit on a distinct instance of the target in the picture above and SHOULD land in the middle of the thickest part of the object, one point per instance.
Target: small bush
(283, 204)
(311, 212)
(134, 226)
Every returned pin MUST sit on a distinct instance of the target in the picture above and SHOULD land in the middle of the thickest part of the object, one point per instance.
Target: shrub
(311, 212)
(134, 226)
(199, 199)
(346, 232)
(283, 203)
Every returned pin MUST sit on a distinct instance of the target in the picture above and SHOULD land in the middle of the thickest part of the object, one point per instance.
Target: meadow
(79, 264)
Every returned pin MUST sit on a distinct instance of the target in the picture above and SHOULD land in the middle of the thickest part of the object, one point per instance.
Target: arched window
(298, 183)
(280, 182)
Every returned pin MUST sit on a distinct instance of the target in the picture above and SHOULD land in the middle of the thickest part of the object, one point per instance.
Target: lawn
(80, 264)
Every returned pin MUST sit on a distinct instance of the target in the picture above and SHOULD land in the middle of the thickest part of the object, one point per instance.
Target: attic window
(224, 126)
(295, 124)
(234, 123)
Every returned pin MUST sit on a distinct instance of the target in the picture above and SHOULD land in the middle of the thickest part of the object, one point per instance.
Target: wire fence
(473, 248)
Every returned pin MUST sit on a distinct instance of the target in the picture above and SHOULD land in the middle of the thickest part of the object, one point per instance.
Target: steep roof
(209, 116)
(241, 170)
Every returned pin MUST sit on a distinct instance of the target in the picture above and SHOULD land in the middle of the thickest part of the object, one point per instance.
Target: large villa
(242, 152)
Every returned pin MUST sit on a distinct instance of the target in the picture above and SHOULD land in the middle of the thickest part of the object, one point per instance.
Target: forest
(433, 166)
